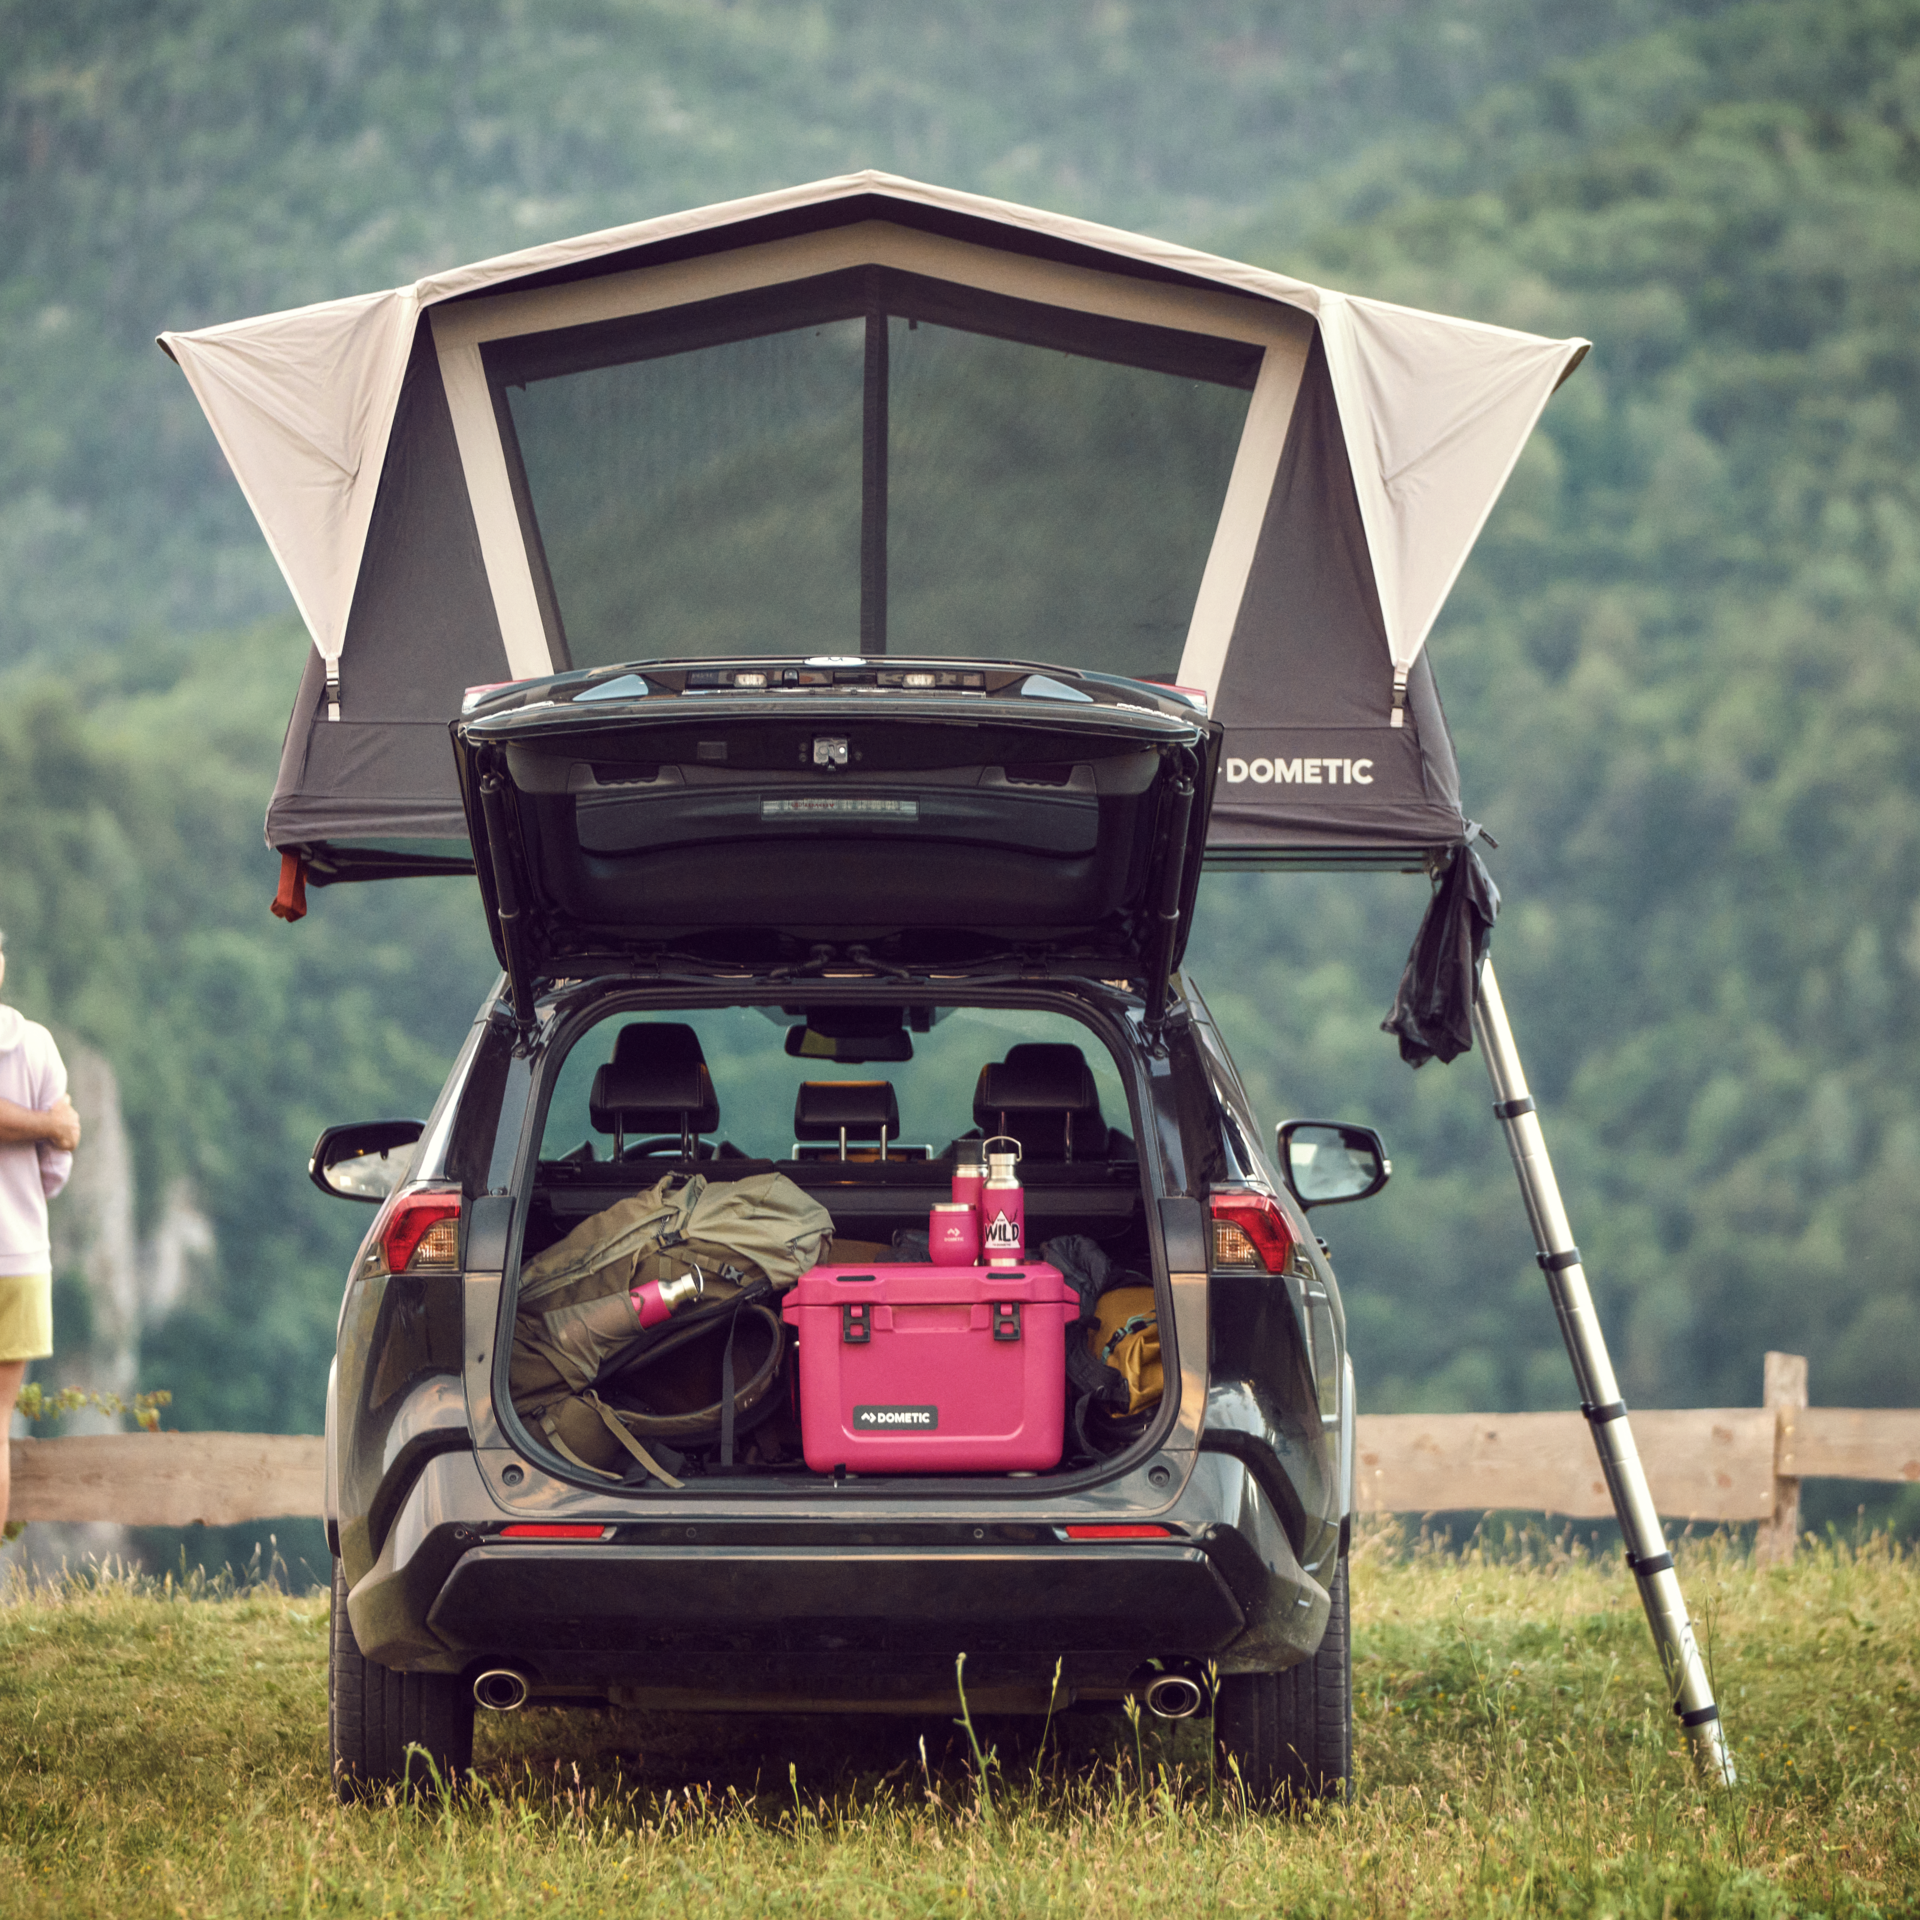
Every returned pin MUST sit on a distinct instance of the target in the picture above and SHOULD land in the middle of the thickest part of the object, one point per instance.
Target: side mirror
(1327, 1162)
(365, 1161)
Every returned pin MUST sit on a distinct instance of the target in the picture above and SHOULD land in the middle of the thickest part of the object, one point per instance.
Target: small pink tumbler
(953, 1234)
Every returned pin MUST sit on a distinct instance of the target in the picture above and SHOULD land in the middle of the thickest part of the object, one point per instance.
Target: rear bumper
(829, 1609)
(654, 1602)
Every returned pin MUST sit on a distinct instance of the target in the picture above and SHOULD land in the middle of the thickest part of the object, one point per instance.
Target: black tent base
(1325, 860)
(1688, 1685)
(329, 865)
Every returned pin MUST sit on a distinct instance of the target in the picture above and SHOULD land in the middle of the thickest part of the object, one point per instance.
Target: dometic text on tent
(1354, 773)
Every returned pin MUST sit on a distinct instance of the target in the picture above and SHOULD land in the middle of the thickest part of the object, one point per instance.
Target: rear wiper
(863, 957)
(822, 959)
(685, 969)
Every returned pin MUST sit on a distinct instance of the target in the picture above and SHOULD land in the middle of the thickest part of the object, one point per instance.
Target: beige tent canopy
(870, 416)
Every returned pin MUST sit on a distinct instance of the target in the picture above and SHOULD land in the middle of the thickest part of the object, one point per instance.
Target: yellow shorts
(26, 1316)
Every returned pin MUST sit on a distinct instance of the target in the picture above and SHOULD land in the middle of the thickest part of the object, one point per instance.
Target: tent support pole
(1647, 1555)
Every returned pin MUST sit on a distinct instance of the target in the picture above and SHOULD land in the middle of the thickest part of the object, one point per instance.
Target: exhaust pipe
(502, 1689)
(1175, 1696)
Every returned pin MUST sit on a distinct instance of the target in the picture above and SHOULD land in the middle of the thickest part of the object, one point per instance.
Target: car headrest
(864, 1108)
(657, 1043)
(1044, 1096)
(1035, 1079)
(656, 1082)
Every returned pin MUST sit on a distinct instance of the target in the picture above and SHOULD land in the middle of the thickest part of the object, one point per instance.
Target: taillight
(552, 1530)
(421, 1231)
(1134, 1530)
(1250, 1233)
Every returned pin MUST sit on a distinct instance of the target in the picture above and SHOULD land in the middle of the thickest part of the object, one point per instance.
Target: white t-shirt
(32, 1074)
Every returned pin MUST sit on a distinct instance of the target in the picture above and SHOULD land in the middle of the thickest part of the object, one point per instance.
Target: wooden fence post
(1784, 1388)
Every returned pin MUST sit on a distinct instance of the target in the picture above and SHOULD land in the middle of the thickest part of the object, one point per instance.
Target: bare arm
(58, 1127)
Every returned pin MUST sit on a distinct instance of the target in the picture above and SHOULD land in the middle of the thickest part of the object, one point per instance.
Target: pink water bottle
(1003, 1206)
(656, 1300)
(969, 1173)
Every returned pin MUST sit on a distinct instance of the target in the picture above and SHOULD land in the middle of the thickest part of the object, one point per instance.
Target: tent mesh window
(871, 462)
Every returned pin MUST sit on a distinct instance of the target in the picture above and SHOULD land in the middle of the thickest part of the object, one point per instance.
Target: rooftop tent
(873, 416)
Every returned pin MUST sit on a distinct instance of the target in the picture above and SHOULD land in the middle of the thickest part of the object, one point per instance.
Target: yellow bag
(1127, 1339)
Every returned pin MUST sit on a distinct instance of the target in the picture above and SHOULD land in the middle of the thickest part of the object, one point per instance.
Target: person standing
(38, 1133)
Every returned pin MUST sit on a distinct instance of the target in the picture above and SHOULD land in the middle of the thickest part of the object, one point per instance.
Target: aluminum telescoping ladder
(1647, 1555)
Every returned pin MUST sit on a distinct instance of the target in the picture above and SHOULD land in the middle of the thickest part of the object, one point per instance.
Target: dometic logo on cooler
(1304, 773)
(895, 1419)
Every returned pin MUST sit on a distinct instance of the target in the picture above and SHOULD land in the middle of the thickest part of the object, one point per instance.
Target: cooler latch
(1006, 1319)
(856, 1324)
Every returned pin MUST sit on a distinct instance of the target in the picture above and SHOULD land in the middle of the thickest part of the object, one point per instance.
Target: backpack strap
(758, 1290)
(617, 1427)
(726, 1391)
(611, 1420)
(551, 1428)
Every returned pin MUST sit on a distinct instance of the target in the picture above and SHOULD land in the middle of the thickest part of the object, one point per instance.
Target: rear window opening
(866, 1110)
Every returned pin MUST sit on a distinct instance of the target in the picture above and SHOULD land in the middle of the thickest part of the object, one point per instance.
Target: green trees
(1681, 670)
(135, 886)
(201, 160)
(1683, 676)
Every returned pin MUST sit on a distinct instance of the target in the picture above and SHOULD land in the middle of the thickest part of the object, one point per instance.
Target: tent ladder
(1600, 1400)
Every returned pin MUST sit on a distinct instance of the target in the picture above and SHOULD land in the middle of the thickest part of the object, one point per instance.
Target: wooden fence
(1713, 1464)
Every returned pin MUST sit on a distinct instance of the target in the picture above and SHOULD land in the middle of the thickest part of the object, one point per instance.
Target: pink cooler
(913, 1369)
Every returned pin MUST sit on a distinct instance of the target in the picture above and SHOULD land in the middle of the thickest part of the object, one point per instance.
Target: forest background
(1681, 670)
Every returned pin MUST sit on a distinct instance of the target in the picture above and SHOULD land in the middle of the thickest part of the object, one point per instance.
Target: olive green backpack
(574, 1324)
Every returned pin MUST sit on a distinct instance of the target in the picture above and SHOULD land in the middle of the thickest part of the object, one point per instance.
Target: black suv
(966, 887)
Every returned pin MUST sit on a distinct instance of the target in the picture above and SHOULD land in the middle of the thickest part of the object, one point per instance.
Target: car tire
(1289, 1735)
(383, 1727)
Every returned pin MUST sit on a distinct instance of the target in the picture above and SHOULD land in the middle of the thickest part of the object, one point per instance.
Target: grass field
(164, 1754)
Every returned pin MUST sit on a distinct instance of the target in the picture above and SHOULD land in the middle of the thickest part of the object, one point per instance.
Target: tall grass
(163, 1751)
